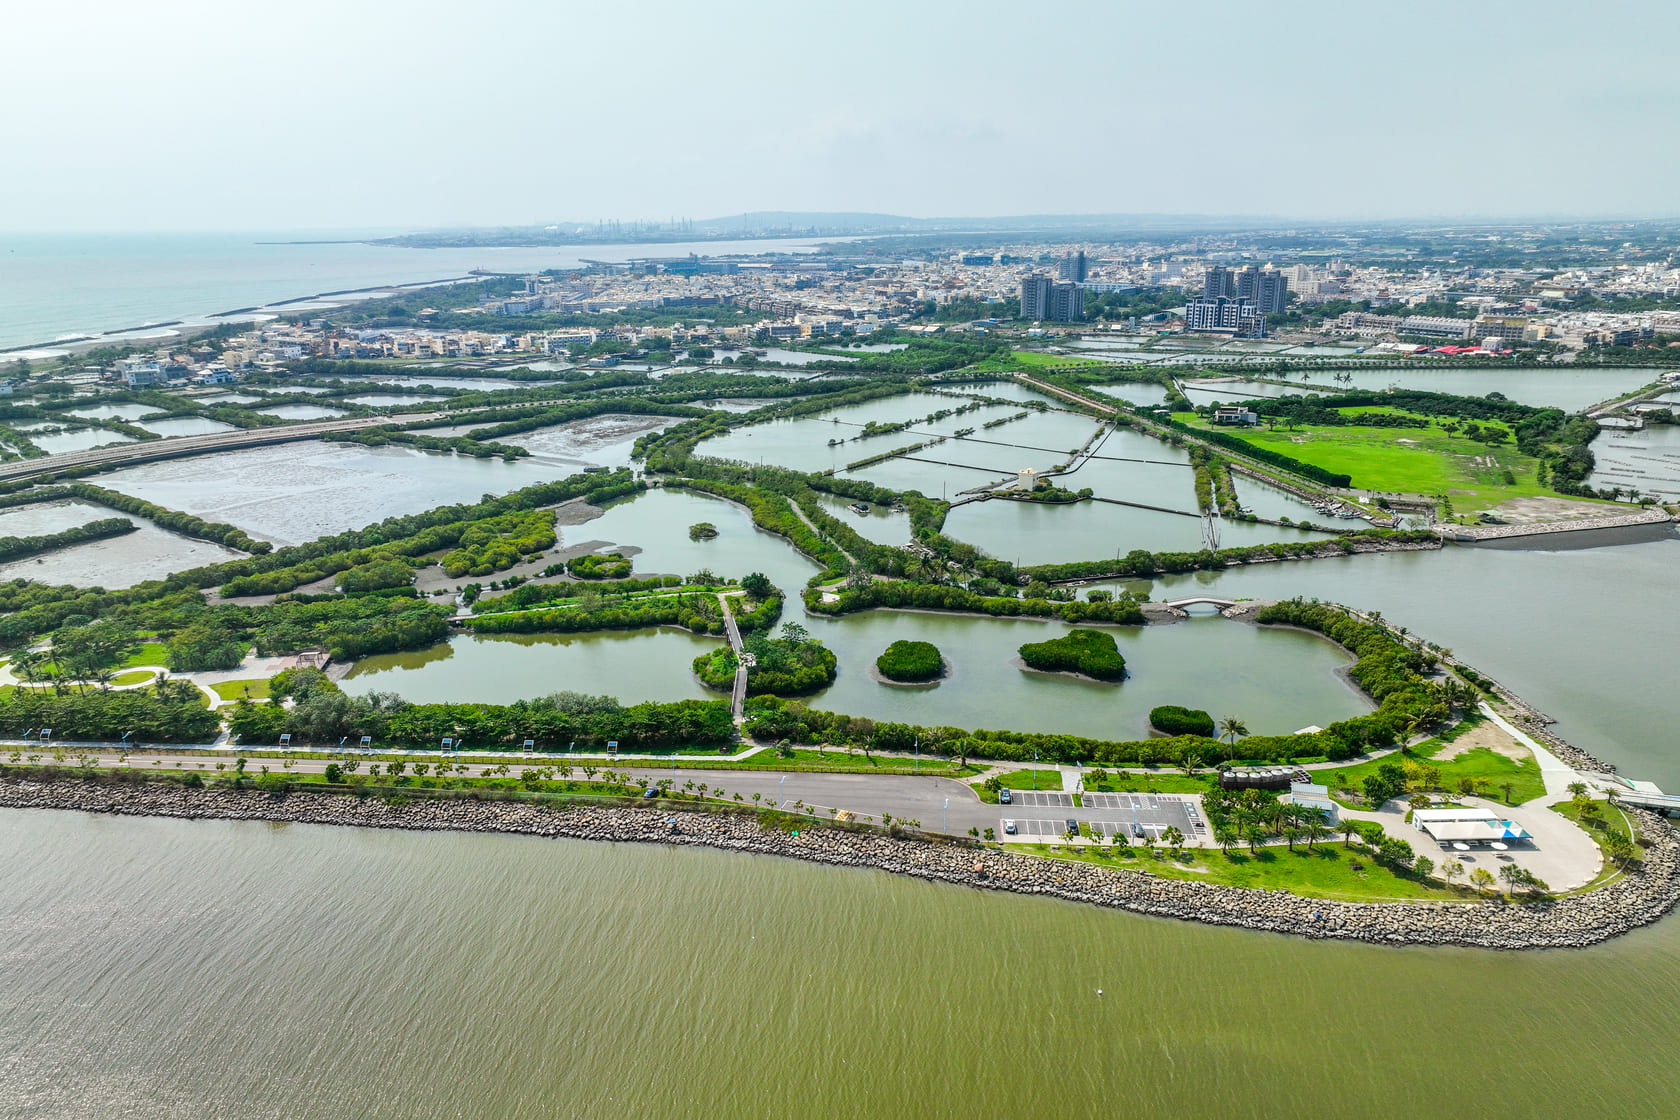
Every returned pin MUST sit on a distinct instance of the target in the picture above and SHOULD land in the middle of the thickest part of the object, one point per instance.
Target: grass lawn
(1409, 460)
(1048, 780)
(234, 690)
(1524, 776)
(838, 759)
(152, 653)
(1031, 360)
(133, 676)
(1325, 872)
(1608, 819)
(1164, 782)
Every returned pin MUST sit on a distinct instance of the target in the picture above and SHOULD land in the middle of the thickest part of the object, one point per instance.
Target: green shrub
(1091, 652)
(377, 576)
(910, 661)
(1171, 719)
(608, 565)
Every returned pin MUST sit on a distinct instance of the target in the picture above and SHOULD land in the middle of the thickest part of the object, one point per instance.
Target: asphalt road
(939, 804)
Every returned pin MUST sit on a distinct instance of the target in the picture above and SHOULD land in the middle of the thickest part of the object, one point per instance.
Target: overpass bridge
(147, 451)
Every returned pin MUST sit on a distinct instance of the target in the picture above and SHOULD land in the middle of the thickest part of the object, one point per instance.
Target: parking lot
(1135, 815)
(1027, 798)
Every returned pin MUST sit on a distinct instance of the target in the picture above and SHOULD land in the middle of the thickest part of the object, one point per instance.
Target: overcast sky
(191, 114)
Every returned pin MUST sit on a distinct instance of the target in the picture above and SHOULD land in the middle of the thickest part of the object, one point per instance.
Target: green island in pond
(911, 662)
(1089, 652)
(1174, 719)
(791, 665)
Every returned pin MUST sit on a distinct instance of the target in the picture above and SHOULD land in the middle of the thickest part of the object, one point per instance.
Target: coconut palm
(1226, 838)
(1231, 729)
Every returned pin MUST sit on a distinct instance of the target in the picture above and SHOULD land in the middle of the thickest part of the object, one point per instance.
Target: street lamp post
(945, 817)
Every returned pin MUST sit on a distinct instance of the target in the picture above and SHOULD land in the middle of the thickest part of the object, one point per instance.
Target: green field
(1408, 460)
(152, 653)
(1167, 781)
(1327, 871)
(233, 690)
(1030, 360)
(1480, 762)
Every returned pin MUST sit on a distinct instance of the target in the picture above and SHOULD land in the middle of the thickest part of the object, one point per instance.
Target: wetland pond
(147, 553)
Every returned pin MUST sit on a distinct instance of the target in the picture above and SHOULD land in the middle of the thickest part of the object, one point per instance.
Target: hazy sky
(189, 114)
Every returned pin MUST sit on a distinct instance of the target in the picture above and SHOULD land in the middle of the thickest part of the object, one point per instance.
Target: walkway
(1553, 771)
(738, 698)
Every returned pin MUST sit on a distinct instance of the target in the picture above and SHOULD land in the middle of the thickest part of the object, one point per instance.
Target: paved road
(867, 795)
(198, 445)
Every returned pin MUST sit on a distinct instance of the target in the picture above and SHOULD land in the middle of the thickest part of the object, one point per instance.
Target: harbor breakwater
(1641, 895)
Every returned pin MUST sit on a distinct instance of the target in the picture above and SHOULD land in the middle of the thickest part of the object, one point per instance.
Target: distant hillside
(788, 223)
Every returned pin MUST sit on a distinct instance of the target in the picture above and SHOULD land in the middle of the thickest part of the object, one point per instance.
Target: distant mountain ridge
(763, 224)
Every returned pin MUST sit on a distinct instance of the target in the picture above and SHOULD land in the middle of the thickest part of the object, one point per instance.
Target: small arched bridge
(1222, 604)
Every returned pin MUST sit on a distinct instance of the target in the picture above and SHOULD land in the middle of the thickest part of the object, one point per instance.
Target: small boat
(859, 508)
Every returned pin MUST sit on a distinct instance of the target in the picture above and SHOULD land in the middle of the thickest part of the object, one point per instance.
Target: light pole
(945, 817)
(779, 786)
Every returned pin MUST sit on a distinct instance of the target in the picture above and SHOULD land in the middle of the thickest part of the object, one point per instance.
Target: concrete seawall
(1640, 896)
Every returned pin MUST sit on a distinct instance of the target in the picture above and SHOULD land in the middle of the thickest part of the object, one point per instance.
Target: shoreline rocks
(1640, 896)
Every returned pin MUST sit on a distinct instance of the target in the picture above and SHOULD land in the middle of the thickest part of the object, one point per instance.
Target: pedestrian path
(1556, 774)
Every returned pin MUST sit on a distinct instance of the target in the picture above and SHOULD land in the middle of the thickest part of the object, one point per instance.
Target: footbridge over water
(1201, 600)
(1172, 610)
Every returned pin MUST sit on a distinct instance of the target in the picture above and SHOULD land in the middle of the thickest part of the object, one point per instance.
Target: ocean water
(58, 286)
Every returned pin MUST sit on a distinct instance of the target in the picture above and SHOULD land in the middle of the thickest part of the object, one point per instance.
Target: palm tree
(1226, 838)
(1253, 833)
(1347, 828)
(1317, 830)
(1231, 728)
(1292, 833)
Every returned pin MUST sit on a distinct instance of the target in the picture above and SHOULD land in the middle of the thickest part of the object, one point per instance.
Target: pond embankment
(1640, 896)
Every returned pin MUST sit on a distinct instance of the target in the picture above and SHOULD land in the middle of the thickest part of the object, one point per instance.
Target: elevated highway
(149, 450)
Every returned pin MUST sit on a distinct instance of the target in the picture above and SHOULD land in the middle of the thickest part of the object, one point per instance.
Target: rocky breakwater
(1638, 897)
